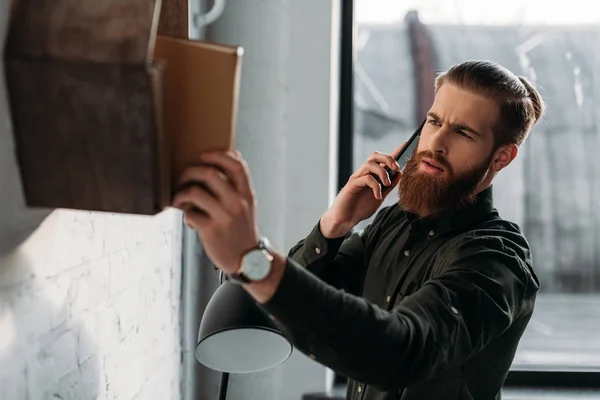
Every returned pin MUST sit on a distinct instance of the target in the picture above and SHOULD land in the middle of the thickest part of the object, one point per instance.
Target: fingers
(371, 168)
(196, 219)
(369, 180)
(214, 180)
(379, 164)
(386, 159)
(396, 178)
(225, 176)
(194, 199)
(234, 167)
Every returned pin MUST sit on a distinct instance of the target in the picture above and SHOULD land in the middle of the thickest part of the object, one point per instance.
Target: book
(201, 90)
(105, 113)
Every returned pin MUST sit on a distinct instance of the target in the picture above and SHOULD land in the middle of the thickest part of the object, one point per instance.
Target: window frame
(558, 377)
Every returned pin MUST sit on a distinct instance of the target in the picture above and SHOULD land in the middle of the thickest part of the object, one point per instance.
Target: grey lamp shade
(236, 336)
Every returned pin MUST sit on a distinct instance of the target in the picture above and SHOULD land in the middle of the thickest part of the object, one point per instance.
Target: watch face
(257, 265)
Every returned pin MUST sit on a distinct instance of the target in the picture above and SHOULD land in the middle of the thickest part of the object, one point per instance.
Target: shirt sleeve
(473, 299)
(339, 262)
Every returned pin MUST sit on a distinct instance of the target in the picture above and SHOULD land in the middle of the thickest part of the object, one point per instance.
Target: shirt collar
(456, 218)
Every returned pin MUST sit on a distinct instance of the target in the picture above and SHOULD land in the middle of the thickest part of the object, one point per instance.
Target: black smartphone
(403, 157)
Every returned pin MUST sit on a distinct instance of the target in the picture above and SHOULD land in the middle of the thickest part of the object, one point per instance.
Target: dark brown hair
(521, 106)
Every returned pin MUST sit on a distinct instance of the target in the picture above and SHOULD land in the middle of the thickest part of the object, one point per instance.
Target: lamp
(236, 336)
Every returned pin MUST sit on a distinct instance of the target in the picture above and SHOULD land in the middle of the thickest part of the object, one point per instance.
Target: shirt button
(454, 310)
(318, 250)
(431, 233)
(407, 253)
(359, 389)
(387, 299)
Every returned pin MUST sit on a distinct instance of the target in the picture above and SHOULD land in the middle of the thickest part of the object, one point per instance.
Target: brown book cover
(201, 90)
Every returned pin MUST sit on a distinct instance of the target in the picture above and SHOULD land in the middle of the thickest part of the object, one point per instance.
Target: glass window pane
(552, 189)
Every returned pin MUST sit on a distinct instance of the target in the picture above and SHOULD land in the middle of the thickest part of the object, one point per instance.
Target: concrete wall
(287, 132)
(89, 304)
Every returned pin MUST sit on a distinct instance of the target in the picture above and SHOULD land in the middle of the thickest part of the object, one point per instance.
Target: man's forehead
(465, 107)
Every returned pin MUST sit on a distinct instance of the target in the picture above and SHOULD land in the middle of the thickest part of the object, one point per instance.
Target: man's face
(455, 157)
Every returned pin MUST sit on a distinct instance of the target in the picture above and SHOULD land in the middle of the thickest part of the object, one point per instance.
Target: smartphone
(404, 155)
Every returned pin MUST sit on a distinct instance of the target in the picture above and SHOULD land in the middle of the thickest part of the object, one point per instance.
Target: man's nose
(439, 141)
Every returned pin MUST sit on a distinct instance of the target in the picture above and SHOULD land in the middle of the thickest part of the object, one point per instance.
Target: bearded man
(431, 299)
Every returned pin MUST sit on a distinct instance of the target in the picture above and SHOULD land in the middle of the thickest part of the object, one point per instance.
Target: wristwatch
(256, 264)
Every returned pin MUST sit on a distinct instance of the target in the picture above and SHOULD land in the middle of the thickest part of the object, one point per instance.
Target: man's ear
(503, 156)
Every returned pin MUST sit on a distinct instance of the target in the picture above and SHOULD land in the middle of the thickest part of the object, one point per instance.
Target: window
(552, 190)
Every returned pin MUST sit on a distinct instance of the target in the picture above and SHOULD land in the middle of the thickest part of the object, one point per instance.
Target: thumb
(396, 178)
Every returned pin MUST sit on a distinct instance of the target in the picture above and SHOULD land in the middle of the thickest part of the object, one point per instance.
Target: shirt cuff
(317, 246)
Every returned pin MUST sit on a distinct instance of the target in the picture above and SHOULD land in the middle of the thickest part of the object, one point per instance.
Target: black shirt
(412, 308)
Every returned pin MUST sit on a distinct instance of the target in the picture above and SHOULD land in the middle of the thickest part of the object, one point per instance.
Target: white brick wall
(89, 309)
(89, 304)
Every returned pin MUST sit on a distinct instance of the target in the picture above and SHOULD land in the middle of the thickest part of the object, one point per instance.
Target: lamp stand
(223, 386)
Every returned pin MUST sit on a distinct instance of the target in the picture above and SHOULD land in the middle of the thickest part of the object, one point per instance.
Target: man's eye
(462, 133)
(433, 122)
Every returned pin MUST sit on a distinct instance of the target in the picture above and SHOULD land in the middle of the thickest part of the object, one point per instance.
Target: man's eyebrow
(433, 115)
(455, 126)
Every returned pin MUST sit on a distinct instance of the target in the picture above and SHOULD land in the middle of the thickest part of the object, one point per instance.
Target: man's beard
(431, 195)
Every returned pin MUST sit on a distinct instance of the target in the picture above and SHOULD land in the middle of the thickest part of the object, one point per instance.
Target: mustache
(435, 157)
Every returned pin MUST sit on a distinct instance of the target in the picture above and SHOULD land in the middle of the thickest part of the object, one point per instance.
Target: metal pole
(346, 112)
(223, 386)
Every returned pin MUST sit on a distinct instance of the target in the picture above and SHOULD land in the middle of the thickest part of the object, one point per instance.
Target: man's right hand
(362, 195)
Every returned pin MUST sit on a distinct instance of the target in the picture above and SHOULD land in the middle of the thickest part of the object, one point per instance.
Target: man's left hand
(218, 201)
